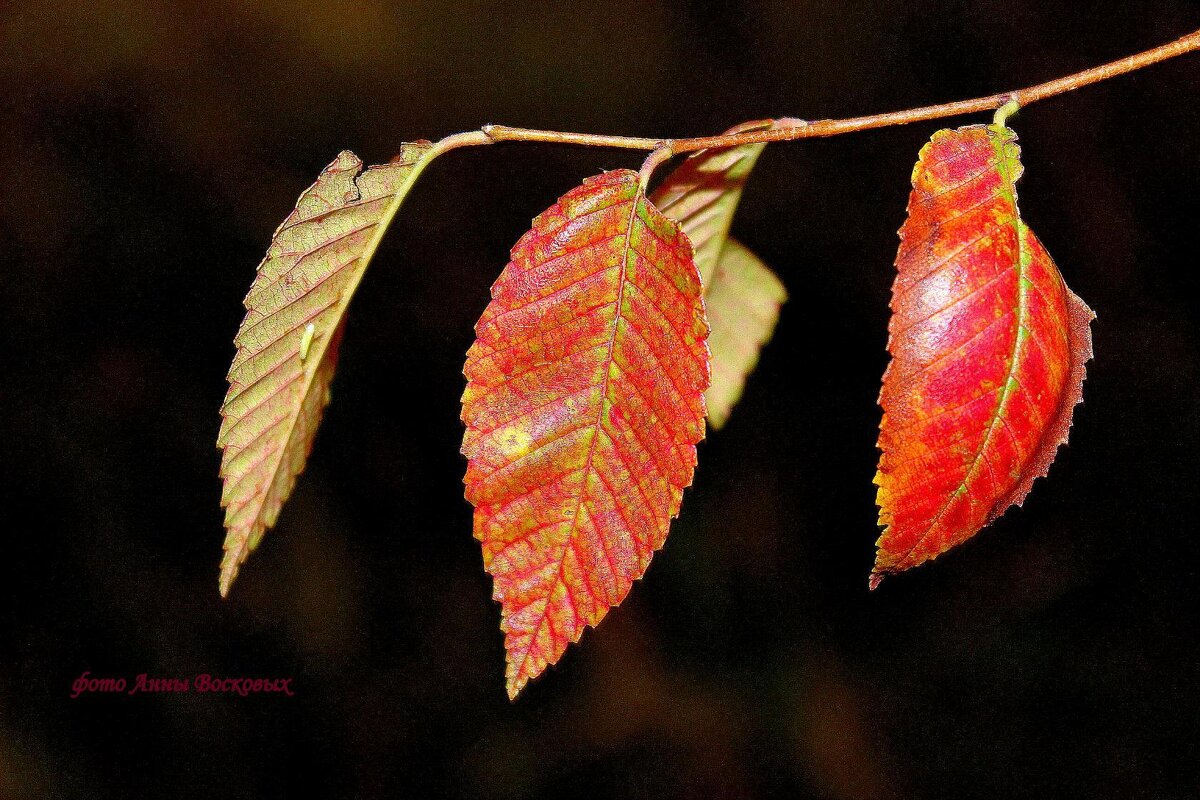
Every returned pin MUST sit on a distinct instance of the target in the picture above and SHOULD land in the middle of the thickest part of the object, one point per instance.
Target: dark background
(149, 148)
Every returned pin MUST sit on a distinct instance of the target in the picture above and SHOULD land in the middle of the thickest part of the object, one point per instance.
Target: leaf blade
(988, 352)
(287, 344)
(583, 406)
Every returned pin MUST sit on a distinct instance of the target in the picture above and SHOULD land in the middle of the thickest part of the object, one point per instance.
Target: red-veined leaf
(988, 351)
(287, 344)
(583, 406)
(742, 300)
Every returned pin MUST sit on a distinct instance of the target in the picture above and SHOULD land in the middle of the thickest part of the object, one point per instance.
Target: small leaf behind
(742, 300)
(287, 344)
(742, 295)
(703, 193)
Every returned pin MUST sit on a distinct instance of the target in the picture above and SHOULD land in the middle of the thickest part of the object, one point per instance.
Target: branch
(799, 129)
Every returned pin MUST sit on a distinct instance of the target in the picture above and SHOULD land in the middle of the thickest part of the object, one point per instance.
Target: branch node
(789, 122)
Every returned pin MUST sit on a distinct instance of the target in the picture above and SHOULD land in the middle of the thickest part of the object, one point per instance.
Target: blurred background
(148, 149)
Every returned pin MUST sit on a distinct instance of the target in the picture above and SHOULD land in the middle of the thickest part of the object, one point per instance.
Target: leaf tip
(235, 554)
(517, 675)
(225, 582)
(874, 580)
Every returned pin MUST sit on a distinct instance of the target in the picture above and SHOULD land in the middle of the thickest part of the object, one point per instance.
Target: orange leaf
(583, 406)
(287, 345)
(988, 350)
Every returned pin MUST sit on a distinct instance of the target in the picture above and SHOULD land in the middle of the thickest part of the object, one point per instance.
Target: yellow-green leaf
(742, 300)
(287, 344)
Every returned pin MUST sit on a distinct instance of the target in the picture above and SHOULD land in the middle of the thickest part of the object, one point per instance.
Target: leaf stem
(653, 162)
(792, 129)
(1005, 111)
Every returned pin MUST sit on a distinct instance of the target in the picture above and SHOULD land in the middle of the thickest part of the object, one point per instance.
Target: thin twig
(799, 129)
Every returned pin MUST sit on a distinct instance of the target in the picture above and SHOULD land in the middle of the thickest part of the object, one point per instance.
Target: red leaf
(583, 406)
(988, 350)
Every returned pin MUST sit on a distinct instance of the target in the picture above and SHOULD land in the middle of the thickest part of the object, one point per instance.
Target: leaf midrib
(604, 405)
(1020, 318)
